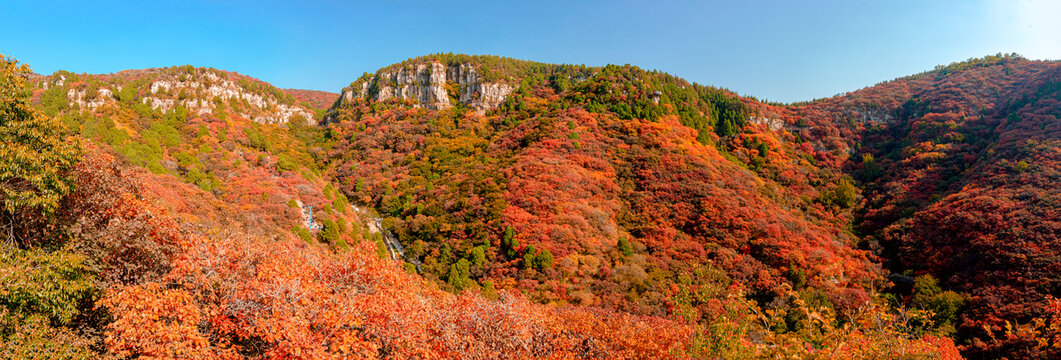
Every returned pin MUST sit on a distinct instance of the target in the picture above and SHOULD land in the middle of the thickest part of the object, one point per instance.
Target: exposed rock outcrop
(431, 85)
(195, 89)
(79, 97)
(772, 123)
(863, 115)
(211, 86)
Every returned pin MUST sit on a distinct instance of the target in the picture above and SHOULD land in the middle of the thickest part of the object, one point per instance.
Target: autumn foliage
(597, 212)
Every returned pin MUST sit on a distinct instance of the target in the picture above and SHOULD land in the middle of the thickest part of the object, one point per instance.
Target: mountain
(315, 98)
(232, 136)
(453, 206)
(444, 80)
(198, 90)
(214, 232)
(652, 177)
(957, 168)
(961, 184)
(554, 194)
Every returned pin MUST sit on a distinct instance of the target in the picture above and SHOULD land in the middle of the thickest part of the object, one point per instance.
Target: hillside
(554, 193)
(457, 206)
(590, 165)
(177, 233)
(606, 186)
(958, 174)
(962, 184)
(314, 98)
(235, 138)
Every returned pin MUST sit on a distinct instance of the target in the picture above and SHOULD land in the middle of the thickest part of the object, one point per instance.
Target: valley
(475, 206)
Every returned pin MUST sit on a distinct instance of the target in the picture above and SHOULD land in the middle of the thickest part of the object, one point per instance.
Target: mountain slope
(969, 194)
(958, 171)
(954, 164)
(241, 141)
(315, 98)
(538, 211)
(540, 193)
(142, 260)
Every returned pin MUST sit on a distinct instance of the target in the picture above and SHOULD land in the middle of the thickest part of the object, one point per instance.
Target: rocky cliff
(431, 85)
(212, 86)
(200, 90)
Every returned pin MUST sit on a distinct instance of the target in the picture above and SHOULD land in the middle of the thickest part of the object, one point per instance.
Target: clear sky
(776, 50)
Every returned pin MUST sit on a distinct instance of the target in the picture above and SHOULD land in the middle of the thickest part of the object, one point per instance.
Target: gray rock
(425, 85)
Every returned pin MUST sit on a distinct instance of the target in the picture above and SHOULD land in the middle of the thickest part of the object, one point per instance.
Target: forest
(597, 212)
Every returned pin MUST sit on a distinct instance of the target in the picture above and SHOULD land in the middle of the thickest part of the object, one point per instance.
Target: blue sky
(777, 50)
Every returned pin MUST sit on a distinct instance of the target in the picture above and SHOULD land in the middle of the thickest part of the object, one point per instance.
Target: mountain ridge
(953, 114)
(635, 194)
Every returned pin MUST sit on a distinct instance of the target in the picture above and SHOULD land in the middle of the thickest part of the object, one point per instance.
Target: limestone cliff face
(264, 108)
(433, 85)
(198, 90)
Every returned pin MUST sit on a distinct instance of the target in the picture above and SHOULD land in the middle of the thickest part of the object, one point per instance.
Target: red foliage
(317, 99)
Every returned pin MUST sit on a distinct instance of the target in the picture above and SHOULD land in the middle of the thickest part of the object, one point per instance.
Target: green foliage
(489, 291)
(509, 243)
(544, 260)
(343, 228)
(255, 139)
(624, 246)
(944, 306)
(284, 164)
(202, 131)
(169, 135)
(764, 149)
(340, 203)
(490, 68)
(303, 234)
(529, 254)
(54, 100)
(41, 295)
(186, 160)
(630, 93)
(35, 155)
(34, 338)
(92, 91)
(843, 195)
(330, 233)
(478, 255)
(177, 116)
(381, 248)
(128, 94)
(728, 112)
(458, 275)
(205, 181)
(985, 61)
(55, 285)
(329, 191)
(870, 170)
(797, 276)
(846, 192)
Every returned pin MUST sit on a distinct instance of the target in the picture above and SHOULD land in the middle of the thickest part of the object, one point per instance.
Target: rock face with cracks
(434, 86)
(214, 86)
(198, 90)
